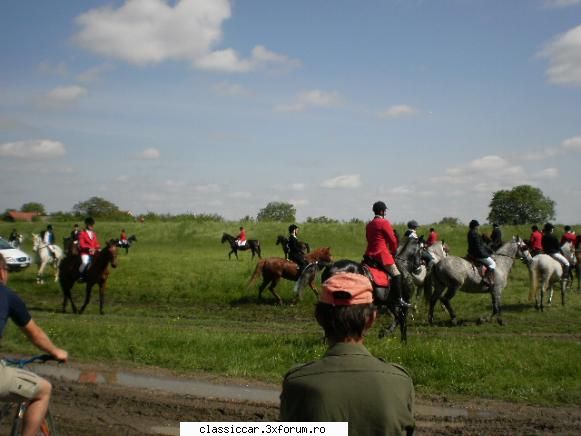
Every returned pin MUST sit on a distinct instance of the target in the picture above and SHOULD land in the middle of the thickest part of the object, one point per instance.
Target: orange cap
(347, 289)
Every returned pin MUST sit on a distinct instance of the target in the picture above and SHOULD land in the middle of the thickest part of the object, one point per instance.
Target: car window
(4, 244)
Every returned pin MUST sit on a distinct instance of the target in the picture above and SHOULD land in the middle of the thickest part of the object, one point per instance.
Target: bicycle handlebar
(42, 358)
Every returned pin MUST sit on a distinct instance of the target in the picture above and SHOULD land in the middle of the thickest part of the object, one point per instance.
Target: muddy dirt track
(111, 409)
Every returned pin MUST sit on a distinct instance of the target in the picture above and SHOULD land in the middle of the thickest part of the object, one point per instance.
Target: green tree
(449, 221)
(523, 204)
(277, 211)
(33, 207)
(321, 220)
(96, 207)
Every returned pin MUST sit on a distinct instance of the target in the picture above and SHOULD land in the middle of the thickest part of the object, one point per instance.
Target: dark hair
(432, 229)
(89, 221)
(534, 228)
(567, 228)
(341, 322)
(292, 228)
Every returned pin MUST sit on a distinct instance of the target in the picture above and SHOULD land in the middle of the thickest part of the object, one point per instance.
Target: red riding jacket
(569, 236)
(242, 235)
(381, 241)
(432, 238)
(535, 242)
(86, 243)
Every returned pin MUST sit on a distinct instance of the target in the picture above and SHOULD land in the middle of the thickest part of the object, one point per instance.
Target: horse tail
(306, 277)
(533, 276)
(257, 272)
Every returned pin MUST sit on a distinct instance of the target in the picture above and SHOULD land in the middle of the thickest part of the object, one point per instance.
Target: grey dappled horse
(456, 273)
(44, 257)
(544, 273)
(422, 275)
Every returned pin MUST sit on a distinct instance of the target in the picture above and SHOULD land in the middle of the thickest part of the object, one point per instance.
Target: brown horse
(97, 273)
(275, 268)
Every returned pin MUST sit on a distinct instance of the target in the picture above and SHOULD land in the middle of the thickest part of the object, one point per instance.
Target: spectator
(348, 383)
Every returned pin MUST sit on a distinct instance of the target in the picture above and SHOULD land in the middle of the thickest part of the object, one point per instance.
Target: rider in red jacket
(381, 245)
(536, 241)
(88, 246)
(569, 236)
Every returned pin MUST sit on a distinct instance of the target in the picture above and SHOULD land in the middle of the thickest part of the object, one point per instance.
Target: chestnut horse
(97, 273)
(275, 268)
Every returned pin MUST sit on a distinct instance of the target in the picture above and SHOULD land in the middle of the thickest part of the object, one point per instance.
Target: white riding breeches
(85, 260)
(560, 258)
(489, 262)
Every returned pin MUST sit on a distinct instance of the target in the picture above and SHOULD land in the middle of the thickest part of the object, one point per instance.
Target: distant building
(14, 215)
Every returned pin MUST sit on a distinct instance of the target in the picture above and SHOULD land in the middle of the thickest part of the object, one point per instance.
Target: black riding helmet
(378, 207)
(548, 227)
(89, 221)
(473, 224)
(292, 228)
(413, 224)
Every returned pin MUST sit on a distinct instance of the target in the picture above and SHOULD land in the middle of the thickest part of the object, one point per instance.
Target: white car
(15, 258)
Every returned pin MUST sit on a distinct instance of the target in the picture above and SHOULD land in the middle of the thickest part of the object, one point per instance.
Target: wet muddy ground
(103, 402)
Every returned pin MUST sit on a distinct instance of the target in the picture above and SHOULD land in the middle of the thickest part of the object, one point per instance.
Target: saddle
(481, 269)
(379, 277)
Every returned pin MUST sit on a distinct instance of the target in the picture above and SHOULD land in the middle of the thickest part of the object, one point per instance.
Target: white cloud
(347, 181)
(561, 3)
(206, 189)
(572, 143)
(312, 98)
(291, 187)
(231, 90)
(152, 31)
(299, 202)
(59, 69)
(35, 149)
(95, 73)
(65, 94)
(547, 173)
(398, 111)
(240, 194)
(402, 190)
(149, 154)
(564, 54)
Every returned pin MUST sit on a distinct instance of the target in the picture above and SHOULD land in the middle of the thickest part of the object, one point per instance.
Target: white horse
(44, 257)
(573, 256)
(544, 273)
(438, 251)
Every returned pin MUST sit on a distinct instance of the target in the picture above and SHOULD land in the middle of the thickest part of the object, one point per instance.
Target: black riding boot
(396, 287)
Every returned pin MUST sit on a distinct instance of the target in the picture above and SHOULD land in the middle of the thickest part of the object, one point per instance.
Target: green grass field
(177, 302)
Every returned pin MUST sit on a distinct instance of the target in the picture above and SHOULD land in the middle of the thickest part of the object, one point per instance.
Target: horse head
(281, 240)
(111, 252)
(225, 238)
(411, 253)
(322, 254)
(35, 242)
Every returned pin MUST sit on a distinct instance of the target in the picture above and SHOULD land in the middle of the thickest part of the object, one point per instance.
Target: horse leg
(67, 296)
(39, 274)
(262, 287)
(88, 291)
(272, 286)
(448, 305)
(438, 290)
(102, 287)
(563, 290)
(496, 306)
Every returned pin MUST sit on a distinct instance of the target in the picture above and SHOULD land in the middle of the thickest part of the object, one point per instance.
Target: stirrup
(404, 303)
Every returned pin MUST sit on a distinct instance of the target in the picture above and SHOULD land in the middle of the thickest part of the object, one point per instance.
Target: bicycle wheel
(47, 426)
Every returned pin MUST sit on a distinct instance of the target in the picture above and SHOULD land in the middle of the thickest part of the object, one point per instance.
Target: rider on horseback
(295, 248)
(48, 239)
(536, 241)
(88, 245)
(552, 248)
(478, 251)
(241, 238)
(382, 245)
(411, 233)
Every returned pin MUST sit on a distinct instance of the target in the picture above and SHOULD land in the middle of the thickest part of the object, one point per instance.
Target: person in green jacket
(348, 384)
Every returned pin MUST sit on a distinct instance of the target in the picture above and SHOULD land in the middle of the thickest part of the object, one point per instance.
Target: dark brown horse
(97, 273)
(251, 244)
(283, 242)
(275, 268)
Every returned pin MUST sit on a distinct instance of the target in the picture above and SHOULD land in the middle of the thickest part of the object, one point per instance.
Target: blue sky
(211, 106)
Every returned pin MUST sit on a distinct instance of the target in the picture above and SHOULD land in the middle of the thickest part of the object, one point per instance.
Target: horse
(407, 259)
(544, 272)
(98, 273)
(275, 268)
(129, 242)
(568, 250)
(45, 257)
(455, 273)
(281, 240)
(421, 276)
(251, 244)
